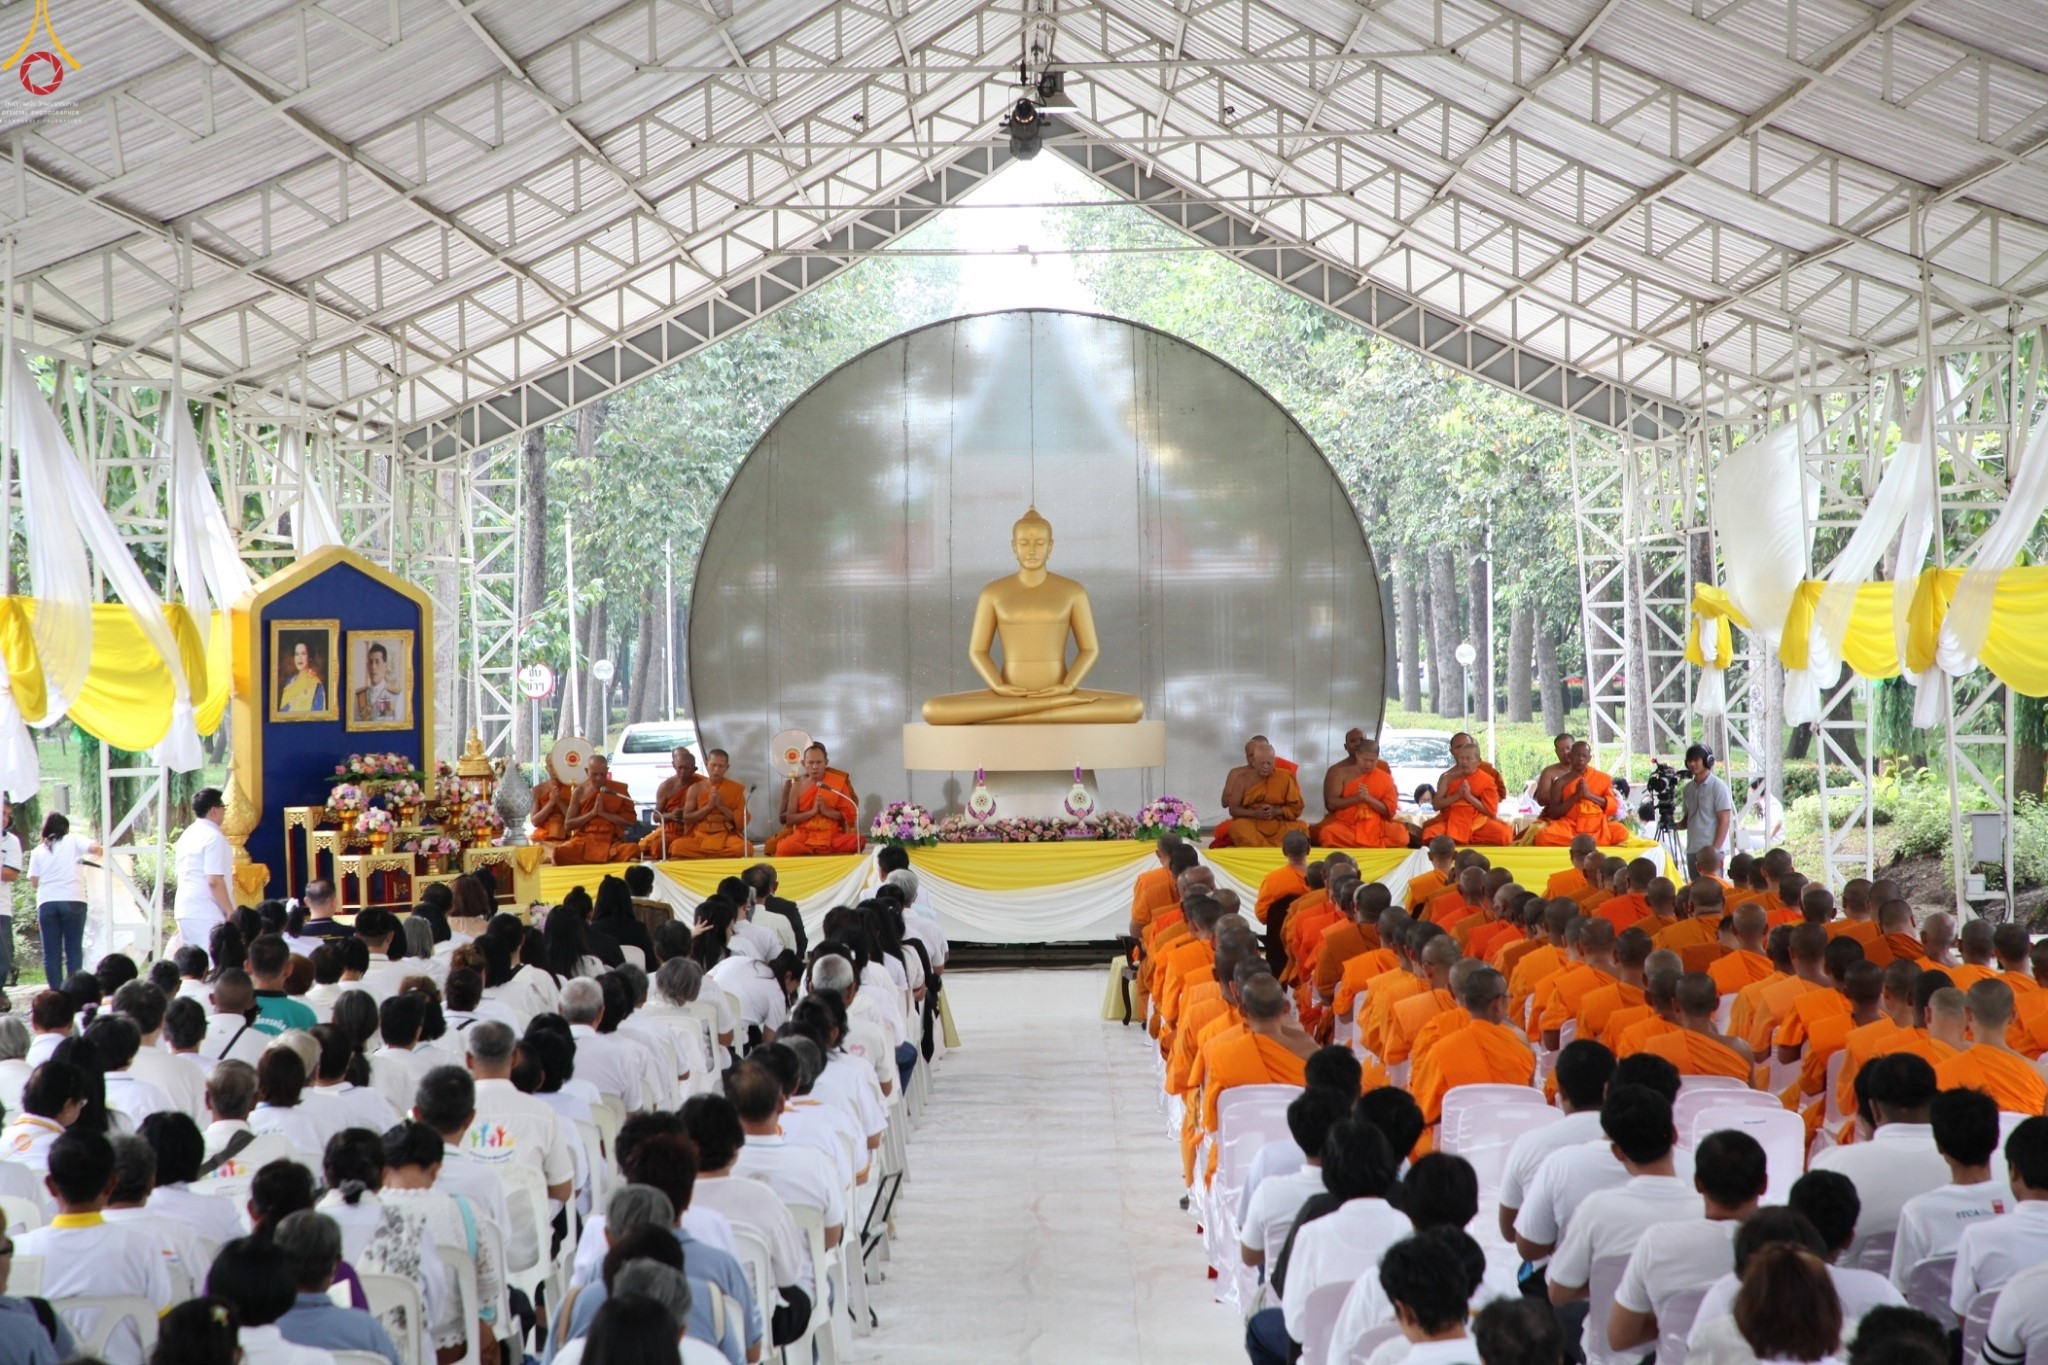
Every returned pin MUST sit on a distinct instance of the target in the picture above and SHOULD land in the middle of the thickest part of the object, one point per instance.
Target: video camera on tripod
(1660, 797)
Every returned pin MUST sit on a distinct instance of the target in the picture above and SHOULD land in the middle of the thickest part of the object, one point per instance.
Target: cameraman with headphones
(1709, 808)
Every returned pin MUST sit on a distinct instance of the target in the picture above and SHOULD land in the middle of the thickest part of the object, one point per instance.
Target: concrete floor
(1041, 1221)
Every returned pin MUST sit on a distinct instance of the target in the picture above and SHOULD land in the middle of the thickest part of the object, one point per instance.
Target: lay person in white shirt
(134, 1179)
(280, 1099)
(336, 1096)
(1607, 1226)
(865, 1038)
(116, 1040)
(233, 1148)
(184, 1033)
(446, 1104)
(50, 1016)
(801, 1176)
(1264, 1225)
(204, 860)
(607, 1061)
(56, 1094)
(1965, 1126)
(231, 1032)
(1827, 1203)
(698, 1222)
(145, 1006)
(462, 998)
(1571, 1175)
(1584, 1069)
(180, 1150)
(827, 1128)
(846, 1080)
(1900, 1159)
(1674, 1260)
(714, 1125)
(1428, 1279)
(83, 1255)
(1359, 1169)
(2019, 1324)
(56, 871)
(10, 871)
(263, 1286)
(1994, 1250)
(510, 1125)
(752, 980)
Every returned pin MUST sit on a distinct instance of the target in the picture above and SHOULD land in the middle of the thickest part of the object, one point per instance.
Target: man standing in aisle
(1708, 809)
(10, 872)
(205, 860)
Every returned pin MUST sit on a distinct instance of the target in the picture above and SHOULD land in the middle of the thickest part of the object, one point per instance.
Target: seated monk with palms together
(819, 812)
(714, 815)
(668, 804)
(600, 813)
(1584, 797)
(1466, 799)
(1364, 803)
(1696, 1049)
(1268, 807)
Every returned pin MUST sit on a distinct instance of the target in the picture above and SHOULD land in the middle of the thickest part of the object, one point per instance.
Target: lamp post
(602, 671)
(1465, 654)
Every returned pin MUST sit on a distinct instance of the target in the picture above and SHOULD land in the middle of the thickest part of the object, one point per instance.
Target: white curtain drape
(60, 573)
(314, 525)
(1762, 510)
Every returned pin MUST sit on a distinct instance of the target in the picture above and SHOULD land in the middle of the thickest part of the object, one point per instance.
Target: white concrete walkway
(1041, 1221)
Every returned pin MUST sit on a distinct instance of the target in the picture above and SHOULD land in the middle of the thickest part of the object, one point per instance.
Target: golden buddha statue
(1033, 612)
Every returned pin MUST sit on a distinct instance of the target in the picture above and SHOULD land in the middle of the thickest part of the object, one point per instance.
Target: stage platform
(1078, 891)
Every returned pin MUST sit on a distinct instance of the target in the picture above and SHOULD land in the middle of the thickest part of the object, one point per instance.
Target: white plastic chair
(1319, 1320)
(633, 955)
(1674, 1324)
(1690, 1104)
(357, 1358)
(26, 1280)
(526, 1198)
(1603, 1278)
(1927, 1288)
(1722, 1011)
(94, 1320)
(1874, 1253)
(1485, 1134)
(463, 1266)
(21, 1215)
(1781, 1133)
(1976, 1323)
(1369, 1341)
(1831, 1114)
(754, 1258)
(395, 1301)
(1687, 1083)
(1464, 1097)
(827, 1288)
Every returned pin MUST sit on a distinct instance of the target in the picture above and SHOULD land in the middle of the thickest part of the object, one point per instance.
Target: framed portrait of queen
(381, 669)
(302, 677)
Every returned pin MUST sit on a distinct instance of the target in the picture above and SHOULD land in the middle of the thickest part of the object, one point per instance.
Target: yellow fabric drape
(1724, 642)
(2012, 650)
(127, 697)
(24, 665)
(1013, 867)
(799, 878)
(1250, 865)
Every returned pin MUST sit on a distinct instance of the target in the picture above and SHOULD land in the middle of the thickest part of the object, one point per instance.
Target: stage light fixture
(1025, 125)
(1052, 91)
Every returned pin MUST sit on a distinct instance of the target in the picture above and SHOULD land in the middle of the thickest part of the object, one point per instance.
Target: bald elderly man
(1268, 807)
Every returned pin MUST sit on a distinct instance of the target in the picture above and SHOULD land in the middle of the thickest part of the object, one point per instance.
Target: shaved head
(1864, 984)
(1441, 951)
(1264, 1000)
(1484, 989)
(1977, 941)
(1698, 996)
(1751, 923)
(1660, 982)
(1947, 1004)
(1894, 916)
(1990, 1005)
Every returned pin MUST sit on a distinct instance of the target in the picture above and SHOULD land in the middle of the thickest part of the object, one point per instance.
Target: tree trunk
(1484, 678)
(1410, 612)
(533, 567)
(644, 650)
(1443, 624)
(1549, 680)
(1389, 643)
(1521, 646)
(596, 710)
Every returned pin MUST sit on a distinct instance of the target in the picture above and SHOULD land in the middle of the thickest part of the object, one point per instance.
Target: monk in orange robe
(1288, 879)
(1527, 938)
(1863, 988)
(1234, 783)
(1268, 806)
(1445, 1021)
(550, 817)
(1467, 897)
(818, 811)
(668, 803)
(1355, 937)
(1572, 880)
(1606, 878)
(1484, 1052)
(714, 815)
(1467, 801)
(1976, 942)
(1443, 862)
(1389, 989)
(1306, 922)
(1632, 906)
(1363, 810)
(1361, 971)
(1696, 1049)
(1191, 959)
(1271, 1052)
(1503, 925)
(1405, 1018)
(1699, 921)
(1989, 1064)
(1794, 1025)
(600, 812)
(1782, 906)
(1762, 1006)
(1589, 948)
(1859, 921)
(1537, 966)
(1153, 891)
(1897, 1014)
(1901, 940)
(1208, 1003)
(1624, 992)
(2015, 949)
(1747, 964)
(1588, 804)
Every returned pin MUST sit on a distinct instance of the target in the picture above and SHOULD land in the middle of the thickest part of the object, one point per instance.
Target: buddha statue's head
(1031, 540)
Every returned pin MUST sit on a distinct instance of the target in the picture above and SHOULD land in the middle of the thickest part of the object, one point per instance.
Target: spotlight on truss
(1025, 125)
(1052, 91)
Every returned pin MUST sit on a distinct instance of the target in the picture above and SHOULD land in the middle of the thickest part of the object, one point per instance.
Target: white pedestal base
(1033, 748)
(1040, 795)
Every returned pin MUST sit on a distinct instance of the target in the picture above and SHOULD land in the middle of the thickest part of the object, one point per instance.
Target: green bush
(1803, 779)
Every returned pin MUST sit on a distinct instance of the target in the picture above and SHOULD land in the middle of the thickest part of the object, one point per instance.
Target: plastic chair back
(633, 955)
(97, 1321)
(1603, 1279)
(395, 1302)
(753, 1256)
(357, 1358)
(1781, 1133)
(1486, 1133)
(1927, 1288)
(1831, 1114)
(1464, 1097)
(1690, 1104)
(1722, 1011)
(1874, 1253)
(26, 1280)
(1976, 1323)
(526, 1201)
(1319, 1320)
(1369, 1341)
(463, 1266)
(828, 1269)
(21, 1215)
(1675, 1318)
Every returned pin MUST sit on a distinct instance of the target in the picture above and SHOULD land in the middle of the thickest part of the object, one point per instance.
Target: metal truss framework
(1669, 221)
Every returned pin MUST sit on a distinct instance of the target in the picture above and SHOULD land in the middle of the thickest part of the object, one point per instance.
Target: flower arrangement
(1167, 815)
(402, 792)
(1024, 829)
(481, 816)
(359, 766)
(433, 846)
(964, 829)
(903, 824)
(1114, 824)
(346, 798)
(377, 820)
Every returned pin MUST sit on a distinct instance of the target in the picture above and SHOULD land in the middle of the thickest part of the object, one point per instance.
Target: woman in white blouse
(56, 870)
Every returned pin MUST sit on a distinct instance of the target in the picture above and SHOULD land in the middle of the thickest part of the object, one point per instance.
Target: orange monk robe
(1864, 931)
(1357, 972)
(1621, 1020)
(1247, 1060)
(1467, 928)
(554, 828)
(2006, 1077)
(1422, 888)
(1305, 936)
(1405, 1021)
(2029, 1031)
(1860, 1045)
(717, 835)
(1968, 975)
(1284, 880)
(1687, 933)
(600, 840)
(1564, 993)
(1603, 1003)
(814, 832)
(2021, 982)
(1695, 1054)
(1738, 969)
(1214, 1034)
(1569, 882)
(1381, 995)
(1278, 790)
(1624, 911)
(1639, 1035)
(1749, 1013)
(1305, 905)
(1202, 1004)
(1796, 1024)
(1464, 824)
(1532, 971)
(1489, 939)
(1481, 1053)
(1906, 948)
(1776, 912)
(1441, 1025)
(1507, 956)
(1361, 826)
(1153, 892)
(1581, 818)
(1340, 943)
(1220, 836)
(1446, 911)
(1824, 1040)
(1187, 962)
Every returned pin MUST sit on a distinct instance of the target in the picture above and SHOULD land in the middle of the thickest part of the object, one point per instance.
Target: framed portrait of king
(303, 673)
(381, 669)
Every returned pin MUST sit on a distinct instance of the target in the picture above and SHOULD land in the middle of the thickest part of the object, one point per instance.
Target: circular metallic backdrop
(1232, 585)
